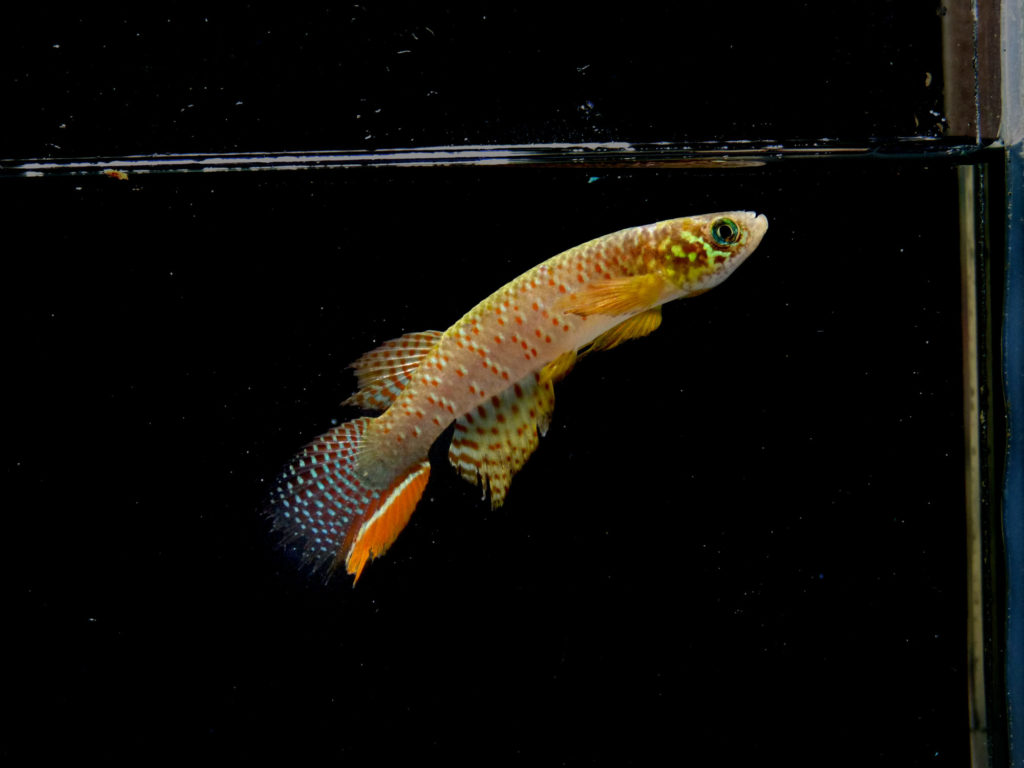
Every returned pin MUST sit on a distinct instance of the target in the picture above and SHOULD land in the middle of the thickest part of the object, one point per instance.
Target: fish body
(350, 492)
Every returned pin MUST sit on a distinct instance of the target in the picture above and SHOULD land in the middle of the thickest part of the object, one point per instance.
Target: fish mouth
(760, 223)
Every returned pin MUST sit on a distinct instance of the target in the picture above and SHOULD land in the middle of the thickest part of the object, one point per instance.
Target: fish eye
(725, 231)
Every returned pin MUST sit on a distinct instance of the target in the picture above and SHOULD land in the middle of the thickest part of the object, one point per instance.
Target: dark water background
(748, 524)
(743, 537)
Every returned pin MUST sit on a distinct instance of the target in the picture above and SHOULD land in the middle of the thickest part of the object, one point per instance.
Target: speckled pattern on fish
(349, 493)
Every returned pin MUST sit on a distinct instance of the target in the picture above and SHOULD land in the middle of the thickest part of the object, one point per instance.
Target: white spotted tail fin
(321, 501)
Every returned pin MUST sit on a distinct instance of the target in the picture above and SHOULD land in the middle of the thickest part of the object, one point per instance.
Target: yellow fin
(492, 442)
(615, 296)
(633, 328)
(559, 368)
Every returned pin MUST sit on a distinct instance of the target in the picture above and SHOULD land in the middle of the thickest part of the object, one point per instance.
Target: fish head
(696, 253)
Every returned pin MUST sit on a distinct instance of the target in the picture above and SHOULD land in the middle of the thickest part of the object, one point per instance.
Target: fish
(345, 497)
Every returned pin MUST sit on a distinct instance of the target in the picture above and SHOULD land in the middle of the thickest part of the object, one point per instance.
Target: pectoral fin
(558, 368)
(633, 328)
(615, 296)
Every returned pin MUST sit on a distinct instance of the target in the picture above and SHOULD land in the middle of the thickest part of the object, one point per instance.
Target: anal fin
(494, 441)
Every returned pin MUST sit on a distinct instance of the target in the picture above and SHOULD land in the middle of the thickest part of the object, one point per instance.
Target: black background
(741, 539)
(387, 74)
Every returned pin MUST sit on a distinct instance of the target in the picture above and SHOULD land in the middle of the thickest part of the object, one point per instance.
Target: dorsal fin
(492, 442)
(383, 372)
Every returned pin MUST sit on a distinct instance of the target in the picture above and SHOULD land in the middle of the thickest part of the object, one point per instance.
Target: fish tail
(322, 499)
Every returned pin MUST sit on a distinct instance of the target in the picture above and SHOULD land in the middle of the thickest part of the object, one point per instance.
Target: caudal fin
(321, 499)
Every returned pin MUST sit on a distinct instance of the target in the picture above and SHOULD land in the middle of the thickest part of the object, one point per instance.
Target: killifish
(350, 492)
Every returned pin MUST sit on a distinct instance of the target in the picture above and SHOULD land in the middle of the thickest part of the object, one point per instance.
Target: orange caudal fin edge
(383, 520)
(322, 503)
